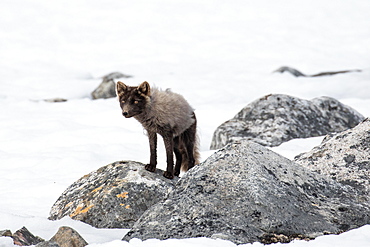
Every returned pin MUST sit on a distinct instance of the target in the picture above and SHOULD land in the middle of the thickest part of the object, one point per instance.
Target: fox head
(133, 100)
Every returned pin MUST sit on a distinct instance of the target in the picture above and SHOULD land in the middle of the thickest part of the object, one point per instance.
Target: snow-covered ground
(218, 54)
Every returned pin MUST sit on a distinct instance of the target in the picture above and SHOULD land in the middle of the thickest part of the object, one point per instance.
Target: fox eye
(122, 101)
(136, 102)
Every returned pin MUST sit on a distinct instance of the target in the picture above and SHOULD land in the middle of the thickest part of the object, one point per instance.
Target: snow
(220, 55)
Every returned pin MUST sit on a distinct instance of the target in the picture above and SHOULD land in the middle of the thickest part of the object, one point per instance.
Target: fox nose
(125, 113)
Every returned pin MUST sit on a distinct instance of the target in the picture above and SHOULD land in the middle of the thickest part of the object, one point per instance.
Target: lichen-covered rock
(246, 193)
(107, 88)
(113, 196)
(277, 118)
(344, 157)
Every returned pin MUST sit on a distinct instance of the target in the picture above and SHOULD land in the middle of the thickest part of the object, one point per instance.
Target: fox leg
(169, 145)
(189, 143)
(153, 152)
(178, 156)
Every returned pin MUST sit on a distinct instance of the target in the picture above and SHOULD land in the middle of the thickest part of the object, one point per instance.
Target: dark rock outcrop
(107, 88)
(345, 157)
(23, 237)
(113, 196)
(277, 118)
(298, 73)
(246, 193)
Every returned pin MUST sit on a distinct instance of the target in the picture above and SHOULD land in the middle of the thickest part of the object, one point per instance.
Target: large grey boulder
(345, 157)
(113, 196)
(107, 88)
(246, 193)
(277, 118)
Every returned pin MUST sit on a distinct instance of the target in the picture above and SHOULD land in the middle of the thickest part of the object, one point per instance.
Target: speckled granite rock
(113, 196)
(246, 193)
(344, 157)
(277, 118)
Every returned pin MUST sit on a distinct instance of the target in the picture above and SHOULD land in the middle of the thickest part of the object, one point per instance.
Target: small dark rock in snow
(246, 193)
(5, 233)
(344, 157)
(67, 237)
(55, 100)
(107, 88)
(23, 237)
(277, 118)
(113, 196)
(293, 71)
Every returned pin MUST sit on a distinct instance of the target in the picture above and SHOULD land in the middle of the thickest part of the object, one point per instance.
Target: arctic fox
(167, 114)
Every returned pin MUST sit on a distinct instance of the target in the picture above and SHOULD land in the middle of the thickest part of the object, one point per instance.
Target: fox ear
(121, 88)
(144, 88)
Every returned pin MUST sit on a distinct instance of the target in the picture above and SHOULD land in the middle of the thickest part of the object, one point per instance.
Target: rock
(247, 193)
(293, 71)
(113, 196)
(55, 100)
(48, 244)
(345, 157)
(5, 233)
(271, 238)
(297, 73)
(277, 118)
(23, 237)
(107, 88)
(67, 237)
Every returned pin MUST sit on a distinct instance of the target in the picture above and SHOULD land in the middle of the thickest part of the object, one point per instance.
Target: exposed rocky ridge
(113, 196)
(345, 157)
(243, 193)
(247, 193)
(274, 119)
(298, 73)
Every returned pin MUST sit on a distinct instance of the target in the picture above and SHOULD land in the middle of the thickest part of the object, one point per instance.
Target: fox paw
(150, 168)
(168, 175)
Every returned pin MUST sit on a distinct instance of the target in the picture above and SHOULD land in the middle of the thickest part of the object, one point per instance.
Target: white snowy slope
(219, 54)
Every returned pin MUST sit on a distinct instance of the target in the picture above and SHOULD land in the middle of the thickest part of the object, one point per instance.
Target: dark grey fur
(165, 113)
